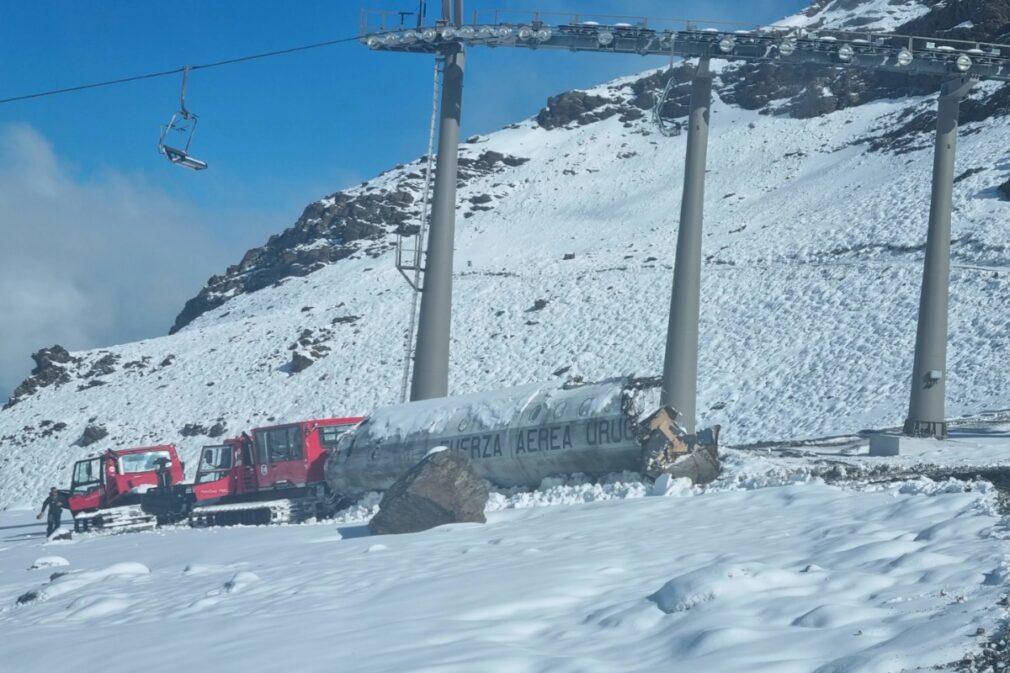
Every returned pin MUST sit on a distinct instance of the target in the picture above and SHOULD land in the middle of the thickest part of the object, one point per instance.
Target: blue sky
(83, 168)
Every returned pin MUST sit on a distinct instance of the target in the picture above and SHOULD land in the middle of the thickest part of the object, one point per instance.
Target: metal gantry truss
(959, 64)
(691, 39)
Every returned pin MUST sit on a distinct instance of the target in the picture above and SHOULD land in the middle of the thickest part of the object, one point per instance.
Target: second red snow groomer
(273, 475)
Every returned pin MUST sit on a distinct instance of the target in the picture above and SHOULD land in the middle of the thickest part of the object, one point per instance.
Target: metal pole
(680, 367)
(431, 360)
(926, 416)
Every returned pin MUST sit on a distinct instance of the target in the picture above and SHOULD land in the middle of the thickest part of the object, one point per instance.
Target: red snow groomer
(106, 490)
(274, 475)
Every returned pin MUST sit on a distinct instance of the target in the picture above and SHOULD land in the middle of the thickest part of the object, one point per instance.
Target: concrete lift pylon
(431, 355)
(926, 407)
(680, 365)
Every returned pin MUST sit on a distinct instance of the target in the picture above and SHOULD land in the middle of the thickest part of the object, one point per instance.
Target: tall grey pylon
(680, 366)
(431, 359)
(926, 416)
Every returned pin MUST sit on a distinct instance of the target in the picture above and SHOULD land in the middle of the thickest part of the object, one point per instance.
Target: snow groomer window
(279, 445)
(295, 444)
(329, 436)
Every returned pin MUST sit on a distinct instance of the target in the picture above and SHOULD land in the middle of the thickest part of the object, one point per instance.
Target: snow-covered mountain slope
(797, 578)
(874, 15)
(816, 210)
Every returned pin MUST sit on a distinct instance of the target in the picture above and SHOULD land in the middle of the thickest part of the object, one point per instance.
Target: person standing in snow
(54, 503)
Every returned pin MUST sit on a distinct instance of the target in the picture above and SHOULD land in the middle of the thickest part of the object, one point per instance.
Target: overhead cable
(165, 73)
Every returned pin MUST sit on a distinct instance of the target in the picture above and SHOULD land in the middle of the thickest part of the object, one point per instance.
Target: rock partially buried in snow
(441, 489)
(49, 562)
(240, 581)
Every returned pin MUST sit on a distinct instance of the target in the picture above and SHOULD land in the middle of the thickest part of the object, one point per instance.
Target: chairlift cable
(176, 71)
(412, 323)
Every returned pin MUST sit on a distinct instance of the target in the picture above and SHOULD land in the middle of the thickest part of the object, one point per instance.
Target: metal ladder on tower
(409, 261)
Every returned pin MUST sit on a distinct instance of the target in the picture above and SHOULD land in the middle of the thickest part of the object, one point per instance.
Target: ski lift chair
(183, 123)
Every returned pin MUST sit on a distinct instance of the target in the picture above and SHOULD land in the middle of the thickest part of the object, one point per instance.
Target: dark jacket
(54, 503)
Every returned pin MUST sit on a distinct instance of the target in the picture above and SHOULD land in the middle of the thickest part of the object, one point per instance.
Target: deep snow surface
(795, 577)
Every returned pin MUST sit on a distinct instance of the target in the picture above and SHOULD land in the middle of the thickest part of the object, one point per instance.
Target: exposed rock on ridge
(49, 370)
(346, 223)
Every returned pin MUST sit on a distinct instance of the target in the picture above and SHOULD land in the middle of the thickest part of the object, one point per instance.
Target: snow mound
(240, 581)
(70, 583)
(49, 562)
(724, 580)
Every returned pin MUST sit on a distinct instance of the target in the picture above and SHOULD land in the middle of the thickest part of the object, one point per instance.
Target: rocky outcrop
(631, 101)
(441, 489)
(804, 91)
(327, 231)
(981, 20)
(572, 106)
(196, 429)
(360, 221)
(299, 363)
(92, 434)
(50, 370)
(1004, 190)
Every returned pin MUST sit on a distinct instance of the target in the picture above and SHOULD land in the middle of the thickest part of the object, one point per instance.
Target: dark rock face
(49, 370)
(440, 489)
(804, 91)
(299, 363)
(193, 430)
(196, 429)
(538, 305)
(989, 21)
(915, 126)
(1004, 190)
(104, 366)
(581, 108)
(92, 434)
(568, 107)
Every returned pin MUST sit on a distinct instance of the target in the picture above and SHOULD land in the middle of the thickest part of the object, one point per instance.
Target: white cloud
(89, 262)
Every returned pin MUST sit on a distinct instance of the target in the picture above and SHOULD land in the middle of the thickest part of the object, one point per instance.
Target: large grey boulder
(441, 489)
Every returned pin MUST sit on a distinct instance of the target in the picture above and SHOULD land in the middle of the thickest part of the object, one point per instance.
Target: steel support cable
(419, 250)
(176, 71)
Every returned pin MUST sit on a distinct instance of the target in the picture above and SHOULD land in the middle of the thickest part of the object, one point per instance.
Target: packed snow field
(766, 570)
